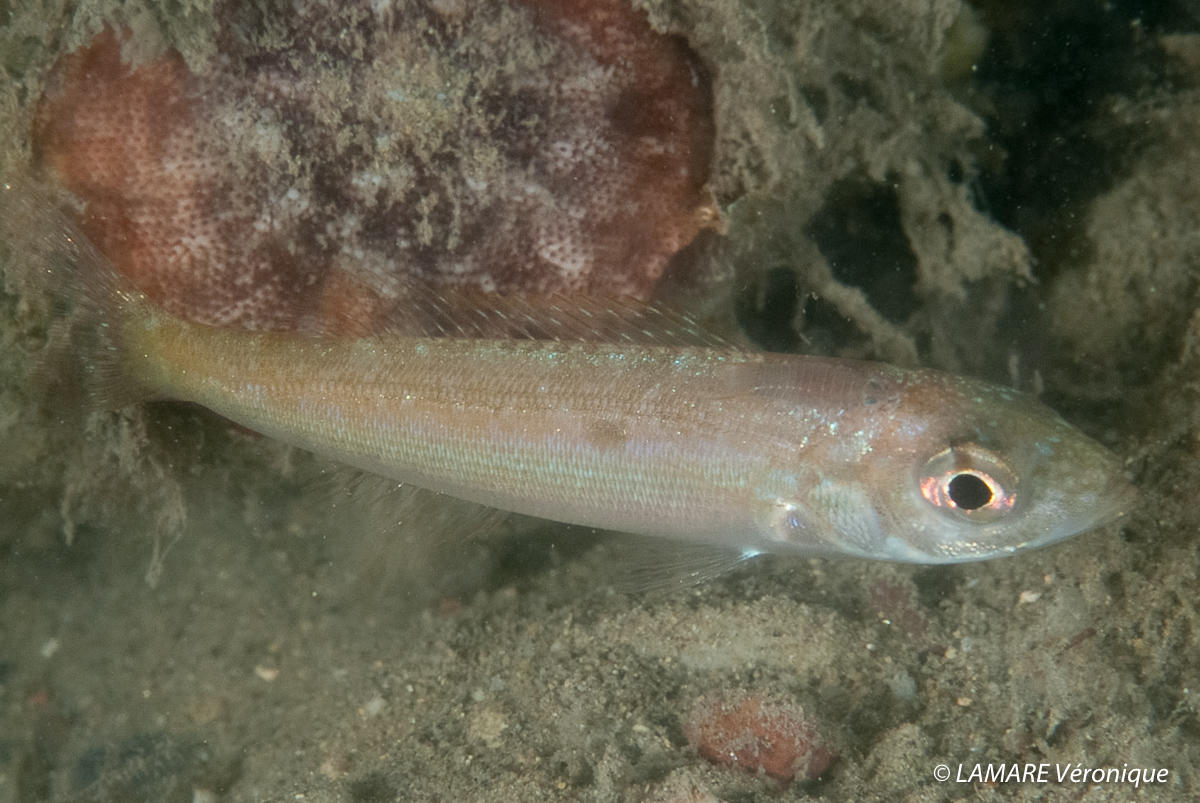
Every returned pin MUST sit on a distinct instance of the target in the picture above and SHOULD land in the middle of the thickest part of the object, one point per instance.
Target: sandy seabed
(285, 650)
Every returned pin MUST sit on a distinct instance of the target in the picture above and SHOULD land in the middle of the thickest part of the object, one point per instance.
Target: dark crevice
(861, 236)
(1048, 75)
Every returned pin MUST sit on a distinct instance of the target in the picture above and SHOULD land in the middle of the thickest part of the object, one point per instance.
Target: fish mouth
(1115, 499)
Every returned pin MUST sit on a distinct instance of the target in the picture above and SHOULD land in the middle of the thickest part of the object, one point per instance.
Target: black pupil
(969, 492)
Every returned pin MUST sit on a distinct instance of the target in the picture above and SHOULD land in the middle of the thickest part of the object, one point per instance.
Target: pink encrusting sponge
(535, 145)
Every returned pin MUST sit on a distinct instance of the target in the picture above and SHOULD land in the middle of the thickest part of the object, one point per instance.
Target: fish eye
(968, 481)
(969, 491)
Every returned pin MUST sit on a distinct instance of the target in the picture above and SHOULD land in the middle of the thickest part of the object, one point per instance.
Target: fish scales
(749, 451)
(753, 451)
(642, 438)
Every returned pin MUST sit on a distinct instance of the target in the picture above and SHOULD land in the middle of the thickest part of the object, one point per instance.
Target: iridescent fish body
(751, 451)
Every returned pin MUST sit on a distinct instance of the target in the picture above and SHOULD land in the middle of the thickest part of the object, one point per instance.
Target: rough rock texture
(854, 158)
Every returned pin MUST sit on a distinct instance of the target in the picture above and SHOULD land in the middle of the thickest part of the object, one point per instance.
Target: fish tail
(73, 298)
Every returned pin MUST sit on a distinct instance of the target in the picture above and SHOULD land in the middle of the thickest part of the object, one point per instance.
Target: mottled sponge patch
(767, 736)
(326, 153)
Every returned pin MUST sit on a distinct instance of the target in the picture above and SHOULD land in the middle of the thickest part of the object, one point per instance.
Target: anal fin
(657, 568)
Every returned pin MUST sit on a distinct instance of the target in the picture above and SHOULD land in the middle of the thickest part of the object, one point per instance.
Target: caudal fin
(76, 301)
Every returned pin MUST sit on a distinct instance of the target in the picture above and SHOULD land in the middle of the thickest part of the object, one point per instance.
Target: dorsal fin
(420, 309)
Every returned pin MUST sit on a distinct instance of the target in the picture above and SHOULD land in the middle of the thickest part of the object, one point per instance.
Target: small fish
(706, 444)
